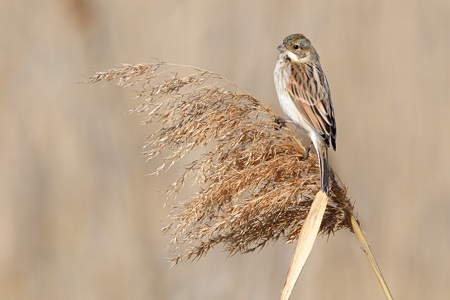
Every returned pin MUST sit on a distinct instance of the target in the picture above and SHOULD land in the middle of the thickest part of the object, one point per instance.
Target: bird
(304, 95)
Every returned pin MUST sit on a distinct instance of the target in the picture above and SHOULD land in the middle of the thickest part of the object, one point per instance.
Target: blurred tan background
(80, 220)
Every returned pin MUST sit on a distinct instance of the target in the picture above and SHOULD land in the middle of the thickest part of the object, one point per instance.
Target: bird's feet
(307, 152)
(279, 123)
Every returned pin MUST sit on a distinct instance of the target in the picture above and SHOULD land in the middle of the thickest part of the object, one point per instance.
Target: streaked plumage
(305, 98)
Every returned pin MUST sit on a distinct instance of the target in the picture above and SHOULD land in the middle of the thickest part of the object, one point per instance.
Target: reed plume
(254, 185)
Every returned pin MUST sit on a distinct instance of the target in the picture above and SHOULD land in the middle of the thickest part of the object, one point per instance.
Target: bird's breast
(282, 73)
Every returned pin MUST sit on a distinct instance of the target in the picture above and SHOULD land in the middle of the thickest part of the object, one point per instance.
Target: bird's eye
(296, 47)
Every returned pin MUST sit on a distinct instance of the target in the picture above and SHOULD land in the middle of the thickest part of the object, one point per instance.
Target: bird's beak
(282, 48)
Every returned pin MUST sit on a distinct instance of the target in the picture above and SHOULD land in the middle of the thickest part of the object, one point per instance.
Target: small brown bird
(304, 96)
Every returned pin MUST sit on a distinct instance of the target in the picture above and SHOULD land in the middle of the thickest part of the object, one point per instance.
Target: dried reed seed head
(254, 185)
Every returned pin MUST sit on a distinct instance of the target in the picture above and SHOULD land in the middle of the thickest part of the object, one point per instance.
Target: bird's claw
(280, 123)
(305, 156)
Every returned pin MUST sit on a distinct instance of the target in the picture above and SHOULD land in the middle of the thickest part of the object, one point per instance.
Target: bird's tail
(324, 170)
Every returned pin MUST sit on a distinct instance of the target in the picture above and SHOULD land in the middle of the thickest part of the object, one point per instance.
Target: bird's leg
(307, 151)
(280, 123)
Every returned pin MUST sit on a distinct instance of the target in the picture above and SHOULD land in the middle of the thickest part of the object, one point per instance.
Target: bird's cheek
(292, 56)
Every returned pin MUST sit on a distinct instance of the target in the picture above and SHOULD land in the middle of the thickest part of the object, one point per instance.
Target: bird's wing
(308, 88)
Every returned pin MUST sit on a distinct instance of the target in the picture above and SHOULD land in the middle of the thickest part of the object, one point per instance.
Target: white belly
(286, 103)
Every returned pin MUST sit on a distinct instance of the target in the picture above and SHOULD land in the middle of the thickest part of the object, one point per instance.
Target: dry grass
(252, 178)
(255, 187)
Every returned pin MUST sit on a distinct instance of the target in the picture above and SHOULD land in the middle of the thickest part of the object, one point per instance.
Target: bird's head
(298, 48)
